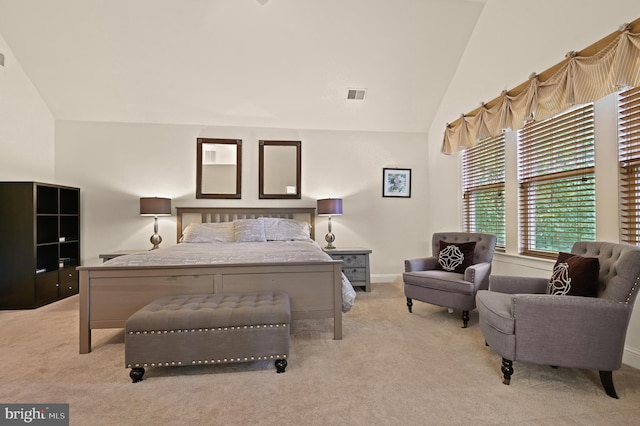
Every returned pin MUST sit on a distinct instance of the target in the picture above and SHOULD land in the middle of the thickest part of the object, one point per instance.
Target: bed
(203, 262)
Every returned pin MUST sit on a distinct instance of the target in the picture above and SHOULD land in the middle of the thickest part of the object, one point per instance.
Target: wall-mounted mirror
(218, 168)
(280, 169)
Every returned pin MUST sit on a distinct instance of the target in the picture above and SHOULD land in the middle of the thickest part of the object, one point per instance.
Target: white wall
(26, 126)
(116, 163)
(506, 46)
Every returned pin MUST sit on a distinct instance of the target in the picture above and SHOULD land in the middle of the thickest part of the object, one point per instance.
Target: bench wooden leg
(136, 374)
(281, 364)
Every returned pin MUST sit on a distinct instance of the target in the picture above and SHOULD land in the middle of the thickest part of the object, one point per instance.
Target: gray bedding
(236, 253)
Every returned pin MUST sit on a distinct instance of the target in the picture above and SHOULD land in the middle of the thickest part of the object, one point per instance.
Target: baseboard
(384, 278)
(631, 357)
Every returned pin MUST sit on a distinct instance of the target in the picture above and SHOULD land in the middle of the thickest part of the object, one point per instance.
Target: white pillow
(209, 232)
(279, 229)
(249, 230)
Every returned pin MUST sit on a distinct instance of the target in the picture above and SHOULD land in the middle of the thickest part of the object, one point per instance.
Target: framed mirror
(218, 168)
(279, 169)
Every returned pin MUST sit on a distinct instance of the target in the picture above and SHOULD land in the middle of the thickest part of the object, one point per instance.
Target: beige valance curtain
(576, 80)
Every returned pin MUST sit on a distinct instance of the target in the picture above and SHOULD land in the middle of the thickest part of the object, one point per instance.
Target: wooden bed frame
(110, 294)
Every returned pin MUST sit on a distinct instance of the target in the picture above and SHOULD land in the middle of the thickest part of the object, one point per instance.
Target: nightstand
(110, 255)
(355, 264)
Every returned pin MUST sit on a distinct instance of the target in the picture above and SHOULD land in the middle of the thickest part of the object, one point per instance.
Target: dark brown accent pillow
(455, 257)
(575, 276)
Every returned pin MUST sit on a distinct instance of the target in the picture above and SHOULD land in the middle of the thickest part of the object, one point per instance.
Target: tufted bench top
(211, 310)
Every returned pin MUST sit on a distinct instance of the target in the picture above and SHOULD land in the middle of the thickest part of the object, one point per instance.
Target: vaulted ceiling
(271, 63)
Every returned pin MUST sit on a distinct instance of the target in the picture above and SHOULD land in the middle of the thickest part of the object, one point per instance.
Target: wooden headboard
(188, 215)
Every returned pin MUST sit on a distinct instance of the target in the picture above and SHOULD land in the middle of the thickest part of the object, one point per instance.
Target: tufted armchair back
(619, 268)
(485, 243)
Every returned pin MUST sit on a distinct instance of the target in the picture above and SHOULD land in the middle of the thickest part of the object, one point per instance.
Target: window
(557, 182)
(483, 188)
(629, 160)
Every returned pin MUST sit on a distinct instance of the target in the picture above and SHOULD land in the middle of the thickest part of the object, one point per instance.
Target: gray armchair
(520, 322)
(423, 280)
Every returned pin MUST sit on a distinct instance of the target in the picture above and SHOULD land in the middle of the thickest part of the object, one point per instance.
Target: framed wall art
(396, 182)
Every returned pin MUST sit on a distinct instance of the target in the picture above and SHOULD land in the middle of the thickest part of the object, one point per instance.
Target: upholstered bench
(208, 329)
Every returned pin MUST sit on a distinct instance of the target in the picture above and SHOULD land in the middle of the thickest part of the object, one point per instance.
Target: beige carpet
(392, 368)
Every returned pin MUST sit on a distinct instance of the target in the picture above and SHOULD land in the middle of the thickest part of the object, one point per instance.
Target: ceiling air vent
(356, 94)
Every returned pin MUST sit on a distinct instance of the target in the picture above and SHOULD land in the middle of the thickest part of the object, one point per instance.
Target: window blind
(629, 158)
(557, 182)
(483, 176)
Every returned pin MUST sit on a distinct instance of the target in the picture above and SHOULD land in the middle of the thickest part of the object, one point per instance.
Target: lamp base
(155, 240)
(329, 238)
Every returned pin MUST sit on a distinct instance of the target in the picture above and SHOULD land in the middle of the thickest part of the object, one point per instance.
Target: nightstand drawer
(351, 260)
(355, 274)
(355, 264)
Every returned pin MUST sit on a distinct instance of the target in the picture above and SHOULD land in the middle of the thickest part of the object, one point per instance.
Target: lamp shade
(155, 206)
(330, 207)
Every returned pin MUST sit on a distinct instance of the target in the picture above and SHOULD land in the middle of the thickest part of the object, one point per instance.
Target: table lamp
(330, 207)
(155, 206)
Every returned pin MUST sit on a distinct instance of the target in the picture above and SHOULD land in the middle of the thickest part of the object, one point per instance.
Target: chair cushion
(439, 280)
(455, 257)
(496, 309)
(575, 276)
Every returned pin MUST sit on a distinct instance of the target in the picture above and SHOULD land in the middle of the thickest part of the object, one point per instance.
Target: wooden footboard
(109, 294)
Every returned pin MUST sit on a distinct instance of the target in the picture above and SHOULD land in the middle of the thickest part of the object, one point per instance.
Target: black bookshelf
(39, 243)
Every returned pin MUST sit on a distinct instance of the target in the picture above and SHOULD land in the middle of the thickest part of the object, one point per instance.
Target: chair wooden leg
(607, 382)
(465, 319)
(507, 370)
(409, 304)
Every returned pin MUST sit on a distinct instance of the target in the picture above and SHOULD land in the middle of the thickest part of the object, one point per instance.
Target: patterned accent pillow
(575, 276)
(280, 229)
(249, 230)
(456, 257)
(209, 233)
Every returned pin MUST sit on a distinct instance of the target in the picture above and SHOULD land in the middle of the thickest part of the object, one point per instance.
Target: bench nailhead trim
(193, 330)
(206, 361)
